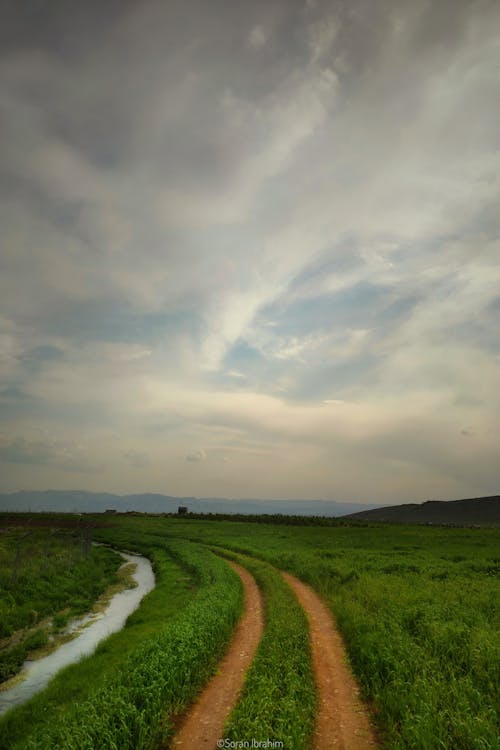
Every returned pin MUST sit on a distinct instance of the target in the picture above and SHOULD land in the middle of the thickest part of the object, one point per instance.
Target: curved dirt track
(342, 721)
(204, 723)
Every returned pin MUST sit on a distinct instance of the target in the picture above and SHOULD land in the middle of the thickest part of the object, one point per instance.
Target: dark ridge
(477, 511)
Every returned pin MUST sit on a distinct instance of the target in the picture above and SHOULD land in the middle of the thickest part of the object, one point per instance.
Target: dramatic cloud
(270, 229)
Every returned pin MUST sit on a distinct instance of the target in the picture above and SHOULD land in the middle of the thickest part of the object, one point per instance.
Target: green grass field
(418, 607)
(419, 611)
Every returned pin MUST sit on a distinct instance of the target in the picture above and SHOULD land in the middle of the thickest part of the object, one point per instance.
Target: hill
(478, 511)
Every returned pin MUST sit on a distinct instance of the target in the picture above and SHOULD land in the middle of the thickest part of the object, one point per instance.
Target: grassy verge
(46, 578)
(134, 706)
(427, 658)
(279, 700)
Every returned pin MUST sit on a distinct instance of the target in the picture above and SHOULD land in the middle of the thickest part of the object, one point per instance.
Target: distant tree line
(274, 518)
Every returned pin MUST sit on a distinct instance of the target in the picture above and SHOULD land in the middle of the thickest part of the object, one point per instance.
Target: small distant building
(110, 510)
(182, 510)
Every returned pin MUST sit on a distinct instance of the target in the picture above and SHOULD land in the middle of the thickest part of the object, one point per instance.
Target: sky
(251, 249)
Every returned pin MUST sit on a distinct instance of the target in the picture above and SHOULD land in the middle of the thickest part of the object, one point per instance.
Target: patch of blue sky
(242, 359)
(397, 310)
(340, 380)
(246, 368)
(341, 258)
(354, 307)
(33, 360)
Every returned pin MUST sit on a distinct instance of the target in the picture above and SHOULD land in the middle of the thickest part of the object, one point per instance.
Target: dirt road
(204, 723)
(342, 721)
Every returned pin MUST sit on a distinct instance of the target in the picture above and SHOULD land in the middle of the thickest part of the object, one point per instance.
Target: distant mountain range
(478, 511)
(76, 501)
(481, 511)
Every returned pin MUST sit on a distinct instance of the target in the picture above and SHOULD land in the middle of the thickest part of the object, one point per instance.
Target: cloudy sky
(251, 249)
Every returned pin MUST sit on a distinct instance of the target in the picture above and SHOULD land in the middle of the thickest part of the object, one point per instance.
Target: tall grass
(42, 572)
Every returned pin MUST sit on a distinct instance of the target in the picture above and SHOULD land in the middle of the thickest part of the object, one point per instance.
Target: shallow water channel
(37, 674)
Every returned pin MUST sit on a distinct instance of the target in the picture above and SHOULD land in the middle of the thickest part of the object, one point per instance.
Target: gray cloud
(19, 451)
(137, 459)
(276, 219)
(68, 458)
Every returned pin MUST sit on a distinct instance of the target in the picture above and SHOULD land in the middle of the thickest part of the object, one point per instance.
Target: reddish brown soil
(204, 723)
(342, 721)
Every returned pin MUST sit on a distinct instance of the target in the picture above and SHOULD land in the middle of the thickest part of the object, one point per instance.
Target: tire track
(342, 721)
(204, 723)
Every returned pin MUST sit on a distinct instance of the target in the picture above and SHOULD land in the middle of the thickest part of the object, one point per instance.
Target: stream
(37, 674)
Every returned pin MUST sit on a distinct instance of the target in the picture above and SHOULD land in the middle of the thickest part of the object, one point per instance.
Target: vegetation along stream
(94, 628)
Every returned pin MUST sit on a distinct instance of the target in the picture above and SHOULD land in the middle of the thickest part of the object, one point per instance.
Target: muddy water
(36, 674)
